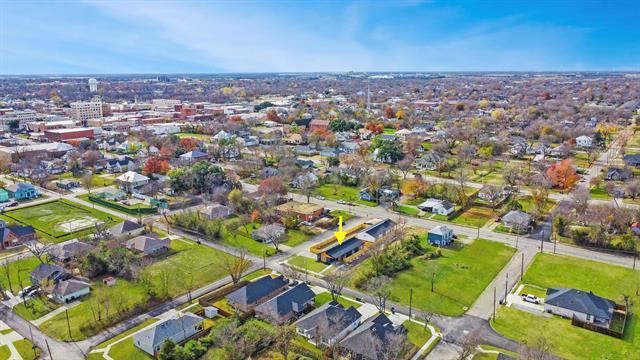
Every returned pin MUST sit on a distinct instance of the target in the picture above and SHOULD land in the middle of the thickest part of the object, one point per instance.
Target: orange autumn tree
(374, 128)
(156, 166)
(562, 174)
(188, 144)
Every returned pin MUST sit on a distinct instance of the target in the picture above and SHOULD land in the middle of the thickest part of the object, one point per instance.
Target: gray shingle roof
(71, 286)
(257, 289)
(580, 301)
(332, 313)
(124, 227)
(374, 331)
(283, 304)
(168, 329)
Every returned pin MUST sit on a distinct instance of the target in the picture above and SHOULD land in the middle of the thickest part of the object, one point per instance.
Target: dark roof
(69, 250)
(282, 304)
(256, 290)
(580, 301)
(632, 159)
(45, 271)
(372, 332)
(380, 228)
(344, 248)
(20, 230)
(333, 313)
(125, 226)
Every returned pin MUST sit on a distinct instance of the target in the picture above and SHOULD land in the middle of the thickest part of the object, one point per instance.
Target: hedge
(116, 206)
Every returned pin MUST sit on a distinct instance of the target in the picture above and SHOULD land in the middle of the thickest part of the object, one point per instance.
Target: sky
(102, 37)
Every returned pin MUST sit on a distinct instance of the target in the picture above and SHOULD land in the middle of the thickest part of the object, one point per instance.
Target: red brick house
(317, 124)
(15, 235)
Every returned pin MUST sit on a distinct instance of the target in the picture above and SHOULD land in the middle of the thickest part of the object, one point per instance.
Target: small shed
(109, 281)
(210, 312)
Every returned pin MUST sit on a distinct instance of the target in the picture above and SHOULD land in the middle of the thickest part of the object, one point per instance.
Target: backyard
(60, 220)
(461, 274)
(569, 341)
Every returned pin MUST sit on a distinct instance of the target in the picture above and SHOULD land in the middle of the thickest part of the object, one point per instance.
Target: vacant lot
(569, 341)
(461, 274)
(304, 262)
(475, 216)
(60, 220)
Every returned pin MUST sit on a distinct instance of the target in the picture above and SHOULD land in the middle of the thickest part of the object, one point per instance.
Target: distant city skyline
(102, 37)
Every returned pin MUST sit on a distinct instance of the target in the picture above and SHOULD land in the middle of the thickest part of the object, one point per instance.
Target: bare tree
(336, 281)
(87, 181)
(378, 289)
(405, 165)
(391, 346)
(273, 235)
(38, 250)
(237, 266)
(469, 344)
(580, 199)
(493, 195)
(285, 334)
(307, 184)
(540, 349)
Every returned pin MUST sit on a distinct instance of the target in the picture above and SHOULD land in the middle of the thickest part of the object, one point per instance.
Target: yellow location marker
(340, 235)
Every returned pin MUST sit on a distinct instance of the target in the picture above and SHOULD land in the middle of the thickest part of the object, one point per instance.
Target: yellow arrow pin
(340, 235)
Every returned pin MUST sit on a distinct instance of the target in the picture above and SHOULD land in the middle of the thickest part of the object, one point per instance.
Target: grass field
(18, 276)
(599, 193)
(461, 274)
(97, 180)
(475, 216)
(134, 207)
(35, 308)
(194, 135)
(52, 218)
(340, 192)
(5, 352)
(191, 266)
(416, 333)
(528, 206)
(568, 341)
(26, 349)
(346, 216)
(304, 262)
(408, 210)
(127, 333)
(325, 297)
(127, 350)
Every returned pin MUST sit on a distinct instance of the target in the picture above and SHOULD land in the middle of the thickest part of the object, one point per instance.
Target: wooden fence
(618, 310)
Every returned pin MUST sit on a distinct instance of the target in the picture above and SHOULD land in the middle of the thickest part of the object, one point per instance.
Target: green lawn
(475, 216)
(240, 239)
(325, 297)
(599, 193)
(461, 274)
(346, 216)
(304, 262)
(143, 206)
(26, 350)
(97, 180)
(5, 352)
(126, 350)
(340, 192)
(35, 308)
(408, 210)
(417, 334)
(194, 135)
(534, 290)
(569, 341)
(18, 274)
(47, 218)
(191, 266)
(295, 237)
(528, 206)
(127, 333)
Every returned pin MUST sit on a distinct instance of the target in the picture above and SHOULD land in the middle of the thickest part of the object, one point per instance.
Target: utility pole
(264, 260)
(433, 277)
(635, 255)
(506, 285)
(33, 344)
(478, 231)
(494, 303)
(522, 267)
(66, 312)
(48, 349)
(542, 242)
(410, 301)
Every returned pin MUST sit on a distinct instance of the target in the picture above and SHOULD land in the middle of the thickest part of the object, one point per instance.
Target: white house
(132, 180)
(584, 141)
(70, 290)
(437, 206)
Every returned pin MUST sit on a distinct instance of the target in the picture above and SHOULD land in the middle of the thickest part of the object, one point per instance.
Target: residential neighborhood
(348, 214)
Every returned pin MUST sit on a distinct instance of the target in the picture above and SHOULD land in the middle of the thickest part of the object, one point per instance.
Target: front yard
(461, 274)
(569, 341)
(341, 192)
(305, 263)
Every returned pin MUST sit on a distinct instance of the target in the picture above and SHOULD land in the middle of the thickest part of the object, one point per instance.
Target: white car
(341, 202)
(531, 299)
(320, 197)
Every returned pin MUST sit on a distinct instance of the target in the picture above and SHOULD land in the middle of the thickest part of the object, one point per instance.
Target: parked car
(306, 223)
(320, 197)
(12, 203)
(341, 202)
(531, 299)
(28, 291)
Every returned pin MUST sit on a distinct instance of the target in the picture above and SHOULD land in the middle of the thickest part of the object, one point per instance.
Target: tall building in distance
(93, 85)
(85, 110)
